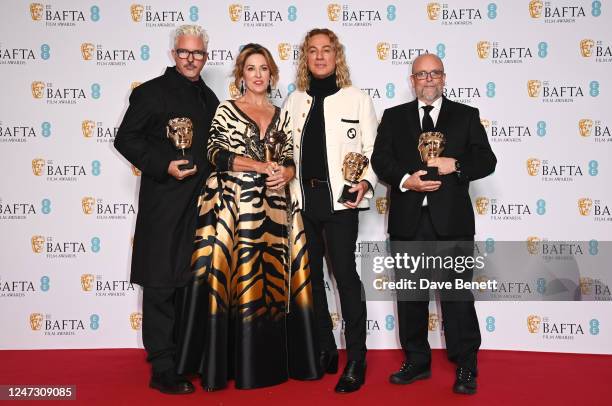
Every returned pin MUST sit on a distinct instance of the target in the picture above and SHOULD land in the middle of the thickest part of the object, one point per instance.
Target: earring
(242, 87)
(269, 89)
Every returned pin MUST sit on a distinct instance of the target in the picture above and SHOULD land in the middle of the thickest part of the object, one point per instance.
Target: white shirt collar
(436, 104)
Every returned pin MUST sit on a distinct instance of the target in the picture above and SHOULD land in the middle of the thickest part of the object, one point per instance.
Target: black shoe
(171, 383)
(409, 373)
(465, 382)
(329, 361)
(352, 378)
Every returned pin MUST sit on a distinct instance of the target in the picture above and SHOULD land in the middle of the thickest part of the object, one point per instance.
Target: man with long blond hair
(331, 119)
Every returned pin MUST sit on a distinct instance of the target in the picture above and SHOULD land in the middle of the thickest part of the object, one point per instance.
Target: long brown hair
(252, 49)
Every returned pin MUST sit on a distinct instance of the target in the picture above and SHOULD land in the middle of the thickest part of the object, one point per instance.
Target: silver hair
(194, 30)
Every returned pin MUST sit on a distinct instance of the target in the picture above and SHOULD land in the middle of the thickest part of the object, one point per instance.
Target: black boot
(409, 373)
(352, 378)
(465, 382)
(171, 383)
(329, 361)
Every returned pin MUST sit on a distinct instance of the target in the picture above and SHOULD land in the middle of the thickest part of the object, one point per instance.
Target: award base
(347, 196)
(185, 157)
(432, 173)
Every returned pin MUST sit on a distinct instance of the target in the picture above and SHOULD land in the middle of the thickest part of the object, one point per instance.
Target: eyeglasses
(434, 74)
(196, 55)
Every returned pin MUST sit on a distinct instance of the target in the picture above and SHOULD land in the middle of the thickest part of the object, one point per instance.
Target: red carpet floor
(120, 377)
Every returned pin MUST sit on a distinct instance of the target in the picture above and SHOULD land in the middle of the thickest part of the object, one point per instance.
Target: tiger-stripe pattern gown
(248, 315)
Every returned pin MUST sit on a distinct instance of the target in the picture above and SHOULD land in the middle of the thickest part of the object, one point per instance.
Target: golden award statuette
(431, 145)
(353, 168)
(180, 132)
(274, 142)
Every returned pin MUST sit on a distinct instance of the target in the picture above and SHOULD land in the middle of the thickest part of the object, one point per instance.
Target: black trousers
(461, 330)
(335, 235)
(158, 326)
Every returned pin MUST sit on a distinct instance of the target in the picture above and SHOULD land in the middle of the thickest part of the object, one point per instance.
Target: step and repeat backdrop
(539, 71)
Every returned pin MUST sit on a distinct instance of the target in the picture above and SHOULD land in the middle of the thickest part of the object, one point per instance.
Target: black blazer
(167, 208)
(396, 154)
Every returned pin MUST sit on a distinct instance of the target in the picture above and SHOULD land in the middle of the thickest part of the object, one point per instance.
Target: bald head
(431, 61)
(428, 78)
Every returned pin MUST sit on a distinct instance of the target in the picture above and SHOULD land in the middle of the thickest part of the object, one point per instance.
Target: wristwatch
(457, 166)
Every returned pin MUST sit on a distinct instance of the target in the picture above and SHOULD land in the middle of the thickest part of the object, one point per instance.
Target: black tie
(428, 124)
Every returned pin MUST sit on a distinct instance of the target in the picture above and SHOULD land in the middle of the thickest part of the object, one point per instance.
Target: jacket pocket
(349, 131)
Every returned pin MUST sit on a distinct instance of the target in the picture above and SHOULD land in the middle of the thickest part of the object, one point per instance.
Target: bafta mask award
(274, 142)
(353, 168)
(431, 145)
(180, 132)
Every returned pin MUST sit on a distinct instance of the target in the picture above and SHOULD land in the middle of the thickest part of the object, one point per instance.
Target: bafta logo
(585, 285)
(136, 320)
(235, 10)
(382, 50)
(36, 321)
(535, 8)
(136, 171)
(533, 244)
(38, 242)
(533, 88)
(584, 206)
(533, 323)
(432, 323)
(38, 164)
(586, 47)
(585, 126)
(87, 282)
(382, 205)
(533, 166)
(482, 204)
(136, 11)
(87, 126)
(37, 89)
(483, 47)
(87, 51)
(335, 317)
(134, 85)
(485, 123)
(333, 12)
(433, 11)
(234, 91)
(36, 11)
(87, 203)
(284, 50)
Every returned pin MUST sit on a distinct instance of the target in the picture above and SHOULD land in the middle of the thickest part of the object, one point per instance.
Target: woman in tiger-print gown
(248, 315)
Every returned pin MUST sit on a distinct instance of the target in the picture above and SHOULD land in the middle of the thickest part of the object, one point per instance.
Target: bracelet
(230, 162)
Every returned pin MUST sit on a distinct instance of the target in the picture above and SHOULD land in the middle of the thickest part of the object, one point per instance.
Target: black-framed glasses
(196, 55)
(434, 74)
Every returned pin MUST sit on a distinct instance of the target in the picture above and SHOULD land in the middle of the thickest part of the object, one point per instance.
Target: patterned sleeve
(284, 125)
(219, 153)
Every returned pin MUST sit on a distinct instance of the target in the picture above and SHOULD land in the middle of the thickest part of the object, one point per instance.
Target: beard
(430, 94)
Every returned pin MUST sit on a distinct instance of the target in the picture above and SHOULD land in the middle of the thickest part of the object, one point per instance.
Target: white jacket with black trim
(350, 126)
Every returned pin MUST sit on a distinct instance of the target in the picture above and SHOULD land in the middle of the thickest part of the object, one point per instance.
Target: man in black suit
(167, 203)
(433, 210)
